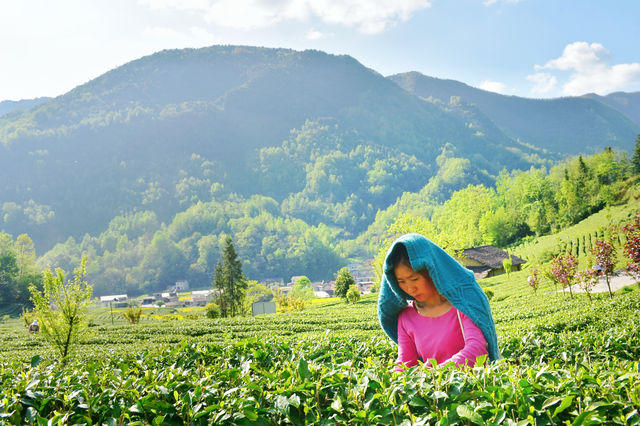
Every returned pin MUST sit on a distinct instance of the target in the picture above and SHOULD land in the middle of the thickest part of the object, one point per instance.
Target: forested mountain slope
(141, 135)
(24, 104)
(571, 125)
(305, 158)
(626, 103)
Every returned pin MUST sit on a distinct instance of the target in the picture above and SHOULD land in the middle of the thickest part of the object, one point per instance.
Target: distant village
(175, 297)
(483, 261)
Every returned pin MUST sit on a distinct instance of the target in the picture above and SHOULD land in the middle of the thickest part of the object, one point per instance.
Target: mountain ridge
(537, 121)
(183, 126)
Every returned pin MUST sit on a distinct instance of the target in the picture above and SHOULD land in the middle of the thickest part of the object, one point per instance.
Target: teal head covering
(452, 280)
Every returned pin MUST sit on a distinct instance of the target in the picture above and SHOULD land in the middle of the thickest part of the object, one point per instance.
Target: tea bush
(564, 362)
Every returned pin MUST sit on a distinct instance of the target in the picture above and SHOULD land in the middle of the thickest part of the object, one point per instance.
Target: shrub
(353, 294)
(132, 314)
(212, 310)
(488, 292)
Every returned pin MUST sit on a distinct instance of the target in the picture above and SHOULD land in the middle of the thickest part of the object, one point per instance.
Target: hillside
(305, 158)
(8, 106)
(570, 125)
(131, 138)
(626, 103)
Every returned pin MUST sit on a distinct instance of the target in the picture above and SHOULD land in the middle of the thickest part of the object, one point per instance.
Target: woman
(432, 306)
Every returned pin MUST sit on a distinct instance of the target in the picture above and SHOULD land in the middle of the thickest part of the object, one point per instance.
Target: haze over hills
(290, 152)
(137, 128)
(24, 104)
(571, 125)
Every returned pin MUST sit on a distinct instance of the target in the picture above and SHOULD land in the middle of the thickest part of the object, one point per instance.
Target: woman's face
(418, 285)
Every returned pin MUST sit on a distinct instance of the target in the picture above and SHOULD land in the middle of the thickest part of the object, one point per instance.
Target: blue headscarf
(452, 280)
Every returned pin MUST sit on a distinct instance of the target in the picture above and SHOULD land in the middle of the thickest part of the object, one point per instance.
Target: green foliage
(635, 159)
(230, 281)
(132, 314)
(353, 294)
(507, 264)
(333, 364)
(488, 292)
(61, 307)
(288, 302)
(302, 289)
(212, 310)
(17, 270)
(344, 281)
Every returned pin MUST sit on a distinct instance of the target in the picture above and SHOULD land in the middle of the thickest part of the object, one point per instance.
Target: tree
(635, 160)
(587, 278)
(605, 255)
(564, 270)
(344, 280)
(302, 289)
(25, 253)
(533, 281)
(61, 307)
(230, 281)
(632, 246)
(8, 277)
(507, 264)
(353, 294)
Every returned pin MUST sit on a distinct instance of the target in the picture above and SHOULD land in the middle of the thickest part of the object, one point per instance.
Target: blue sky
(529, 48)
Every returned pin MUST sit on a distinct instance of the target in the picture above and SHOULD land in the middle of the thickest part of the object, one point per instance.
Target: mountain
(24, 104)
(303, 157)
(136, 136)
(570, 125)
(626, 103)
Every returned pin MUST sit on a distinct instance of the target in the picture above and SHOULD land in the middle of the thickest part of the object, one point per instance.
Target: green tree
(25, 253)
(344, 280)
(61, 307)
(302, 289)
(230, 281)
(507, 264)
(8, 277)
(353, 294)
(635, 160)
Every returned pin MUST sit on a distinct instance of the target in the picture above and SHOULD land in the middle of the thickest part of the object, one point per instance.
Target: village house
(486, 261)
(201, 297)
(363, 274)
(323, 289)
(115, 301)
(179, 286)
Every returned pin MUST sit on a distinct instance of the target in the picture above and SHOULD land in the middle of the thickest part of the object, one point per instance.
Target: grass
(606, 223)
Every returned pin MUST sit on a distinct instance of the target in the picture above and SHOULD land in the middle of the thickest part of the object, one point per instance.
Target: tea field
(564, 362)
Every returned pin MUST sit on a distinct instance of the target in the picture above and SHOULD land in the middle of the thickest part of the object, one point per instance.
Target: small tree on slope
(61, 307)
(605, 255)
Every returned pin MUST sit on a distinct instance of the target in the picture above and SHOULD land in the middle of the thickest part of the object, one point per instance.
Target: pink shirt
(438, 337)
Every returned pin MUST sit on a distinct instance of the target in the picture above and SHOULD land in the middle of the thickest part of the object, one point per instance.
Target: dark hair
(399, 256)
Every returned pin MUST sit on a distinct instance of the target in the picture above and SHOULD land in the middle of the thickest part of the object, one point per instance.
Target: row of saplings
(563, 269)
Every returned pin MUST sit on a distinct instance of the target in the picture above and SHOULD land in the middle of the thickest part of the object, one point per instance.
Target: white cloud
(493, 86)
(592, 71)
(314, 35)
(368, 16)
(543, 83)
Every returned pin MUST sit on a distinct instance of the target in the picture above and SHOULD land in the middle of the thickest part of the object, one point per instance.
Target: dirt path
(616, 282)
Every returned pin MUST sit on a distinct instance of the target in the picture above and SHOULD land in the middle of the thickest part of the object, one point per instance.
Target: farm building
(116, 300)
(486, 261)
(201, 297)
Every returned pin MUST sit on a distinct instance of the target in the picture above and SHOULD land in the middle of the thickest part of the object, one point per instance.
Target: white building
(113, 299)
